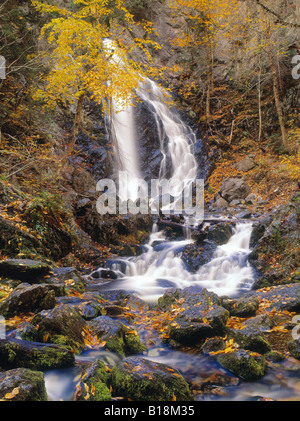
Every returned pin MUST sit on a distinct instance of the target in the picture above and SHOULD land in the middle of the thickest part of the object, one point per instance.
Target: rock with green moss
(94, 383)
(143, 380)
(22, 385)
(28, 299)
(246, 365)
(118, 337)
(63, 325)
(294, 348)
(251, 339)
(33, 355)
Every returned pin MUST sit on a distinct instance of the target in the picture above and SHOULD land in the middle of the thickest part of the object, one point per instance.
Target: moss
(116, 344)
(149, 385)
(101, 392)
(243, 364)
(38, 392)
(133, 344)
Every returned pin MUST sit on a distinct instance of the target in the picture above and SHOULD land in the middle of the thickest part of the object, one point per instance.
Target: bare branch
(277, 15)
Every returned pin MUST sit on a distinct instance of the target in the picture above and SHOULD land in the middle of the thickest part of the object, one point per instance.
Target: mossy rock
(294, 348)
(118, 337)
(251, 339)
(22, 384)
(143, 380)
(248, 366)
(63, 325)
(33, 355)
(94, 384)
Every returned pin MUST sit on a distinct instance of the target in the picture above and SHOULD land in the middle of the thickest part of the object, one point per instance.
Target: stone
(234, 189)
(22, 384)
(94, 384)
(24, 269)
(63, 325)
(294, 348)
(139, 379)
(28, 299)
(245, 165)
(244, 365)
(118, 337)
(16, 353)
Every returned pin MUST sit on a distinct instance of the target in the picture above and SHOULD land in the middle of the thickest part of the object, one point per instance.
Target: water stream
(161, 265)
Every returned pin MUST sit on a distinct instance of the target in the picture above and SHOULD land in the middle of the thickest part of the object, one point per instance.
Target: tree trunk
(277, 96)
(259, 107)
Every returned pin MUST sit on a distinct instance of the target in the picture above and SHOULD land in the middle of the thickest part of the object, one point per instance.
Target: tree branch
(280, 20)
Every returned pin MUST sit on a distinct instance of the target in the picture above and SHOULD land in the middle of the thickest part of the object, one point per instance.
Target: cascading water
(161, 267)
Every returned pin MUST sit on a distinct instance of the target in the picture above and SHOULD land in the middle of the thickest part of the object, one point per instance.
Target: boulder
(23, 269)
(195, 255)
(220, 233)
(29, 299)
(93, 385)
(118, 337)
(193, 295)
(195, 324)
(251, 339)
(142, 380)
(245, 164)
(234, 189)
(22, 384)
(244, 307)
(294, 348)
(63, 325)
(35, 356)
(243, 364)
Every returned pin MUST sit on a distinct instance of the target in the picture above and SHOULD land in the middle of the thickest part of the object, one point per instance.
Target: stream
(161, 266)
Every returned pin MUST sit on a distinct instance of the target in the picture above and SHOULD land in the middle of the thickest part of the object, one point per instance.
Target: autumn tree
(93, 50)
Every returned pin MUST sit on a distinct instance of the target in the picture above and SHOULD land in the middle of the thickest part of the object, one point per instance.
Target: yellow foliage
(81, 58)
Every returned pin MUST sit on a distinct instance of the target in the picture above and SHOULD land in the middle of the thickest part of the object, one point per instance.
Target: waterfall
(122, 129)
(161, 267)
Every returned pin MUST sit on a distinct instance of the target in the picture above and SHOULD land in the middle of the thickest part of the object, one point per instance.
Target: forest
(107, 294)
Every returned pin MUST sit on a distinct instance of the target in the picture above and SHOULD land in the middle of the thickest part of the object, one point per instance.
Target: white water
(180, 137)
(161, 267)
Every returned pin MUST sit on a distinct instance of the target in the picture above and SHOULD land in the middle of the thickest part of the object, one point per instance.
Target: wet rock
(195, 324)
(213, 345)
(143, 380)
(294, 348)
(93, 385)
(234, 189)
(188, 297)
(243, 364)
(28, 299)
(90, 310)
(118, 337)
(245, 307)
(251, 339)
(35, 356)
(22, 385)
(220, 233)
(63, 325)
(194, 256)
(23, 269)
